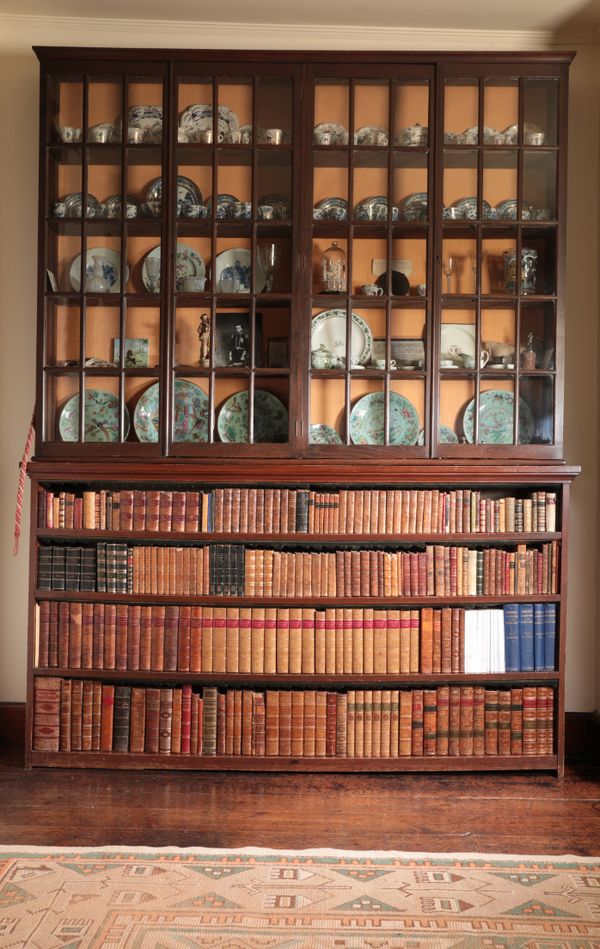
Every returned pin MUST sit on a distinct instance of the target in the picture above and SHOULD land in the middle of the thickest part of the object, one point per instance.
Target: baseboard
(582, 731)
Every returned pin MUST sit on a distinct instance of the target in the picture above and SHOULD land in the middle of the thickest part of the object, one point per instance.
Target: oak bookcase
(208, 341)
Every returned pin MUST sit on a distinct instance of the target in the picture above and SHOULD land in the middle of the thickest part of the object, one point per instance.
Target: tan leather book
(393, 664)
(237, 722)
(367, 516)
(270, 656)
(219, 639)
(282, 635)
(516, 721)
(276, 584)
(466, 720)
(47, 701)
(341, 725)
(404, 731)
(330, 643)
(359, 724)
(429, 722)
(454, 721)
(368, 640)
(346, 621)
(250, 571)
(358, 644)
(443, 720)
(207, 639)
(350, 527)
(351, 723)
(331, 575)
(321, 724)
(247, 716)
(310, 712)
(272, 723)
(245, 640)
(375, 723)
(295, 651)
(504, 721)
(319, 630)
(232, 639)
(196, 725)
(268, 573)
(417, 723)
(137, 723)
(380, 641)
(297, 738)
(446, 639)
(386, 723)
(358, 512)
(176, 722)
(257, 641)
(285, 723)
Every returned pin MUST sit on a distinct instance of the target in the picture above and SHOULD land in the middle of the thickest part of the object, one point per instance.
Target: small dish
(331, 209)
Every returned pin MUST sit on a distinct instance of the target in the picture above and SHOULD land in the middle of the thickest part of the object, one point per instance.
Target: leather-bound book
(345, 624)
(285, 723)
(268, 510)
(320, 642)
(145, 645)
(228, 512)
(257, 658)
(75, 612)
(351, 723)
(192, 512)
(245, 639)
(43, 634)
(320, 724)
(260, 511)
(121, 633)
(65, 697)
(437, 641)
(237, 722)
(415, 635)
(455, 665)
(549, 721)
(308, 641)
(401, 743)
(309, 724)
(184, 639)
(152, 720)
(331, 706)
(454, 722)
(360, 703)
(219, 635)
(282, 636)
(446, 639)
(297, 739)
(133, 619)
(107, 717)
(232, 639)
(417, 722)
(53, 633)
(165, 727)
(429, 722)
(152, 510)
(516, 721)
(479, 721)
(295, 650)
(466, 720)
(64, 611)
(86, 715)
(195, 719)
(270, 651)
(341, 725)
(504, 721)
(277, 507)
(200, 705)
(158, 635)
(386, 723)
(178, 512)
(137, 723)
(96, 714)
(442, 721)
(380, 633)
(272, 723)
(209, 720)
(258, 724)
(229, 716)
(541, 729)
(165, 510)
(139, 510)
(122, 712)
(221, 722)
(357, 641)
(375, 751)
(110, 635)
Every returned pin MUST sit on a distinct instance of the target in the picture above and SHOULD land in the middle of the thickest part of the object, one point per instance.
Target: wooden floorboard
(491, 813)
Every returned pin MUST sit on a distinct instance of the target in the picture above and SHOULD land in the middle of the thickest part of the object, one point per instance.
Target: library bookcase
(313, 515)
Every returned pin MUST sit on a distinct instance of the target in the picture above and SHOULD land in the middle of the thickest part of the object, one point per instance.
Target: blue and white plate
(111, 268)
(224, 209)
(74, 203)
(331, 209)
(467, 208)
(197, 118)
(188, 263)
(374, 208)
(188, 191)
(413, 207)
(237, 262)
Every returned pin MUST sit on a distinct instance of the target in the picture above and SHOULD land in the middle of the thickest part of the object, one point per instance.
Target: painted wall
(18, 209)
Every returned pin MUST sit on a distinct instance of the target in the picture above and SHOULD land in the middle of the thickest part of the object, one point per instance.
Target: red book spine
(121, 637)
(184, 645)
(178, 516)
(145, 638)
(192, 511)
(87, 636)
(98, 642)
(165, 510)
(157, 633)
(139, 510)
(110, 635)
(186, 719)
(134, 637)
(63, 634)
(107, 717)
(46, 713)
(196, 639)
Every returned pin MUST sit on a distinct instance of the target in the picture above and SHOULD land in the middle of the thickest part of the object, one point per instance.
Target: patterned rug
(140, 898)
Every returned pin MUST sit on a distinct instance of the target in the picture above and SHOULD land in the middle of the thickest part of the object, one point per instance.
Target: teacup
(452, 214)
(273, 136)
(193, 284)
(245, 134)
(204, 136)
(421, 290)
(194, 210)
(100, 134)
(534, 138)
(381, 364)
(59, 209)
(266, 212)
(135, 135)
(371, 290)
(242, 210)
(152, 208)
(182, 137)
(69, 133)
(132, 210)
(234, 137)
(324, 138)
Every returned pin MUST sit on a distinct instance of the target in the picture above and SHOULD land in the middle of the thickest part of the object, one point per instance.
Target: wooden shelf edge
(282, 679)
(87, 759)
(192, 599)
(516, 537)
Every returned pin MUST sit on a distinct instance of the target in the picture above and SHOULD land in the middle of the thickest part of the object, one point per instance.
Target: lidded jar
(333, 270)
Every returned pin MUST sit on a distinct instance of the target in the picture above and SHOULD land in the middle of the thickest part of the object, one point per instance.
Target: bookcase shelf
(223, 343)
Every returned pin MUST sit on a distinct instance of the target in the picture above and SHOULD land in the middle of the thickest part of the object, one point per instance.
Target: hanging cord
(21, 486)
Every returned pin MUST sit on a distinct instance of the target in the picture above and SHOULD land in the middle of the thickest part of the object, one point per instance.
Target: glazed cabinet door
(102, 224)
(234, 200)
(499, 253)
(368, 307)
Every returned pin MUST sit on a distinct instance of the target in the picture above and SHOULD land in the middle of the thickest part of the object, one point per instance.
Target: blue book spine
(550, 636)
(526, 636)
(538, 636)
(511, 637)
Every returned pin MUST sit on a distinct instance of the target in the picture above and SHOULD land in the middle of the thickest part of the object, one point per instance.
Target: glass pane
(371, 113)
(460, 185)
(407, 411)
(327, 412)
(409, 182)
(235, 270)
(193, 345)
(332, 103)
(496, 413)
(268, 423)
(498, 327)
(102, 415)
(538, 336)
(370, 187)
(330, 186)
(103, 265)
(65, 110)
(369, 265)
(64, 184)
(328, 339)
(276, 338)
(407, 271)
(461, 112)
(141, 345)
(102, 327)
(144, 186)
(105, 102)
(145, 112)
(540, 112)
(500, 186)
(456, 395)
(274, 111)
(62, 335)
(61, 407)
(539, 185)
(144, 262)
(411, 113)
(274, 262)
(407, 341)
(459, 263)
(458, 340)
(192, 259)
(142, 399)
(501, 111)
(536, 407)
(191, 418)
(273, 185)
(234, 184)
(497, 257)
(330, 263)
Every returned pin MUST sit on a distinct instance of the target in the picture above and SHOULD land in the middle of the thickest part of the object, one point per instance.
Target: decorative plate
(374, 208)
(113, 204)
(225, 204)
(507, 210)
(74, 204)
(339, 134)
(187, 264)
(413, 207)
(270, 418)
(470, 136)
(468, 208)
(187, 191)
(321, 434)
(445, 436)
(366, 420)
(237, 261)
(331, 209)
(196, 118)
(456, 338)
(496, 409)
(191, 413)
(278, 203)
(329, 330)
(146, 117)
(111, 268)
(101, 418)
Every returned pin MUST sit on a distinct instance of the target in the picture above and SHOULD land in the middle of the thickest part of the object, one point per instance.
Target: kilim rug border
(256, 898)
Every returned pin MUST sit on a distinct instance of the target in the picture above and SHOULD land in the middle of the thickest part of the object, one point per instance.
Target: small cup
(266, 212)
(534, 138)
(69, 133)
(152, 208)
(452, 214)
(379, 137)
(204, 136)
(245, 135)
(100, 134)
(132, 211)
(59, 209)
(421, 290)
(193, 284)
(242, 210)
(543, 214)
(234, 137)
(194, 211)
(273, 136)
(371, 290)
(324, 138)
(182, 137)
(135, 135)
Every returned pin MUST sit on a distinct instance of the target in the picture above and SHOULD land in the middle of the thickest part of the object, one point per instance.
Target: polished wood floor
(501, 813)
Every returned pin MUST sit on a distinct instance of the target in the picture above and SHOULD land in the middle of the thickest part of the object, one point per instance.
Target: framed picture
(136, 352)
(232, 340)
(408, 353)
(278, 352)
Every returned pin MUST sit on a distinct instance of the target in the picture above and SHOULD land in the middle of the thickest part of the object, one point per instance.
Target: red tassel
(21, 486)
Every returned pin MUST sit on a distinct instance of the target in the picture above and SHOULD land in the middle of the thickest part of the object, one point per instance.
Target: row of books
(291, 510)
(79, 635)
(236, 570)
(450, 721)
